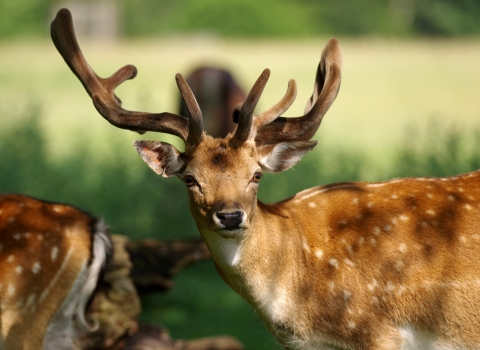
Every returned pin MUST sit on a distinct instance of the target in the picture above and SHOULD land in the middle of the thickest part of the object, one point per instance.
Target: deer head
(222, 174)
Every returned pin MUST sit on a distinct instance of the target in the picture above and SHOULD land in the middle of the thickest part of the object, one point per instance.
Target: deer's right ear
(161, 157)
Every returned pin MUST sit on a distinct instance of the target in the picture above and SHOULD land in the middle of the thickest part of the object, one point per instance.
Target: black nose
(230, 220)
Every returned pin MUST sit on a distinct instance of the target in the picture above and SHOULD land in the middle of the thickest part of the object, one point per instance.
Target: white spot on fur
(468, 206)
(430, 212)
(460, 189)
(423, 223)
(429, 195)
(463, 239)
(312, 205)
(379, 184)
(376, 231)
(351, 324)
(349, 262)
(401, 290)
(404, 218)
(394, 196)
(361, 240)
(369, 204)
(319, 253)
(346, 295)
(331, 285)
(11, 290)
(350, 249)
(54, 253)
(10, 258)
(387, 228)
(355, 200)
(17, 236)
(305, 245)
(334, 263)
(390, 287)
(372, 285)
(402, 248)
(57, 275)
(40, 237)
(36, 267)
(18, 269)
(451, 198)
(373, 241)
(30, 300)
(57, 208)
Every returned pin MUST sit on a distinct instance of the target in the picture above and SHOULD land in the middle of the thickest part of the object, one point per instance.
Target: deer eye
(257, 177)
(189, 180)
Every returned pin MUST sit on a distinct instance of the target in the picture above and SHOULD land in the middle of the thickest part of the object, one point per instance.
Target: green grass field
(386, 85)
(54, 145)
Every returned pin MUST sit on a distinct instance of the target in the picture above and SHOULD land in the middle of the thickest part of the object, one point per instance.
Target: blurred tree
(268, 18)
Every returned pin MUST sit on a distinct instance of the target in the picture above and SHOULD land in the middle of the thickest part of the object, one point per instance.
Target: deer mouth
(230, 232)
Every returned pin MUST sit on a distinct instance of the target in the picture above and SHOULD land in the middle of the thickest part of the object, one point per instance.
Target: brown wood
(156, 263)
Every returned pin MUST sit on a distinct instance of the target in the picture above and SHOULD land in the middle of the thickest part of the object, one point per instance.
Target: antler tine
(102, 90)
(327, 84)
(195, 120)
(245, 110)
(279, 108)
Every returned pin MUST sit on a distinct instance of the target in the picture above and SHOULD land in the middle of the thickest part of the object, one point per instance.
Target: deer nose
(230, 220)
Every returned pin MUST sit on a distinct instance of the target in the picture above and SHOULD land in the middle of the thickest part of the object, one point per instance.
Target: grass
(386, 85)
(54, 145)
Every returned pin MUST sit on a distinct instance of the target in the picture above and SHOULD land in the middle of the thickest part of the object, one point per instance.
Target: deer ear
(161, 157)
(282, 156)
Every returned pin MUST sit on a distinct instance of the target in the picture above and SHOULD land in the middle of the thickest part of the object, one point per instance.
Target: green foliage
(232, 18)
(438, 152)
(267, 18)
(294, 18)
(24, 18)
(446, 17)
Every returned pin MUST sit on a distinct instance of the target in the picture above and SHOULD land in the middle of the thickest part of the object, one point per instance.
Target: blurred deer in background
(217, 93)
(391, 265)
(51, 257)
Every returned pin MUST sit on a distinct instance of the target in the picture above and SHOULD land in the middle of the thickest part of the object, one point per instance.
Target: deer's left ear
(161, 157)
(282, 156)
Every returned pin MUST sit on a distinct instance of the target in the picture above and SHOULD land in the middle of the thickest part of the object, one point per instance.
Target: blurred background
(409, 105)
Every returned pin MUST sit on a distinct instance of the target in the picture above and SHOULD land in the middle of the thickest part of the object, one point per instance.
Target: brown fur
(35, 238)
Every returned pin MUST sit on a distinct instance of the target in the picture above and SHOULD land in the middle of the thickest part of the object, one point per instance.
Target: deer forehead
(214, 159)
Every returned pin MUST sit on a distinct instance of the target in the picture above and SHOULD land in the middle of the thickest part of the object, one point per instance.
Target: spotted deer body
(50, 260)
(379, 266)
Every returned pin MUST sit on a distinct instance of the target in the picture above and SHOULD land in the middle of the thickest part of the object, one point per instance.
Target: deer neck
(253, 262)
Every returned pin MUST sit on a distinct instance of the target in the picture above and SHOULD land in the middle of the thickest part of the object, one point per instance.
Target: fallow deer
(51, 256)
(217, 93)
(390, 265)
